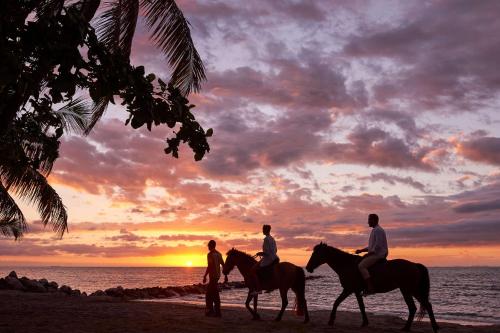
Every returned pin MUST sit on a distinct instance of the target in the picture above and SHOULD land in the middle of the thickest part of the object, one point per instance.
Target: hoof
(405, 329)
(364, 324)
(330, 323)
(256, 317)
(306, 320)
(277, 319)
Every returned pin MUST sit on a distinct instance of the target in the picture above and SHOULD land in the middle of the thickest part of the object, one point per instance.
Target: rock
(14, 283)
(154, 292)
(65, 289)
(169, 293)
(13, 274)
(75, 292)
(53, 285)
(98, 293)
(44, 282)
(115, 292)
(3, 284)
(32, 285)
(84, 294)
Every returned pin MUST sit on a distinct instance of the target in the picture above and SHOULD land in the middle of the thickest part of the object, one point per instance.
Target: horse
(412, 279)
(285, 276)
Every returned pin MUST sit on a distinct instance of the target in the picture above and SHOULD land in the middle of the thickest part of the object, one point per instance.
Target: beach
(57, 312)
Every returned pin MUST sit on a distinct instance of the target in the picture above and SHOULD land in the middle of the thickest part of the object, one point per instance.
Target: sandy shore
(29, 312)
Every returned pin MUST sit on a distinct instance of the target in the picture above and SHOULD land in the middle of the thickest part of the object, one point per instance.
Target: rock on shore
(12, 282)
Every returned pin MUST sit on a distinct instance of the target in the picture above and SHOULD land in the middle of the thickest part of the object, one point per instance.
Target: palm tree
(28, 149)
(169, 29)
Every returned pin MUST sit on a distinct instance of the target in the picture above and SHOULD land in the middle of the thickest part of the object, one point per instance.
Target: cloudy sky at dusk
(323, 112)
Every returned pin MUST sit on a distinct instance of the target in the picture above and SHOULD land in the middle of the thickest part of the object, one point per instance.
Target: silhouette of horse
(412, 279)
(285, 276)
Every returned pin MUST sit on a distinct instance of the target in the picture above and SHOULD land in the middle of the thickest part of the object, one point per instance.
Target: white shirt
(378, 242)
(270, 249)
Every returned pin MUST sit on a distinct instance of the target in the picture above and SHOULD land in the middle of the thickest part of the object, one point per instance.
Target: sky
(323, 112)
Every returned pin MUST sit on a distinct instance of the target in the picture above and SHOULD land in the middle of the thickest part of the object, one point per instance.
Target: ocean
(462, 295)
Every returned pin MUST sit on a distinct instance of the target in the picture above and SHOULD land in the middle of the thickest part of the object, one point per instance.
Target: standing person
(212, 298)
(377, 249)
(269, 258)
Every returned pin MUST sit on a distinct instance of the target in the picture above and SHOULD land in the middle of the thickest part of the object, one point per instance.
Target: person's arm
(205, 276)
(365, 249)
(376, 242)
(222, 264)
(206, 271)
(266, 248)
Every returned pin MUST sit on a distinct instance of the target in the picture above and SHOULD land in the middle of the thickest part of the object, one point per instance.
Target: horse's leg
(343, 295)
(362, 309)
(247, 305)
(306, 314)
(255, 300)
(411, 308)
(284, 302)
(434, 324)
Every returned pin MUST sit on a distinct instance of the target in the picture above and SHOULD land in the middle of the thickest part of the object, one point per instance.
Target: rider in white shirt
(377, 249)
(268, 254)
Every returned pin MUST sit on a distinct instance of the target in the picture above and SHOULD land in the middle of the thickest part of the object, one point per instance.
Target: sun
(189, 263)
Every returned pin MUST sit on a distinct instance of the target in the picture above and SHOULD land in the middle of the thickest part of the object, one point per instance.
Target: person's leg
(363, 266)
(208, 302)
(216, 299)
(209, 299)
(256, 281)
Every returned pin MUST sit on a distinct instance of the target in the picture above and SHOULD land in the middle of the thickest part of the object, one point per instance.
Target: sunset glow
(321, 116)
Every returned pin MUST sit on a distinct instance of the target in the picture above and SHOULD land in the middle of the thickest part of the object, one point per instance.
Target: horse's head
(230, 261)
(318, 257)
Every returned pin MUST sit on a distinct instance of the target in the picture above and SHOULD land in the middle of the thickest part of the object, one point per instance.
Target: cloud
(437, 59)
(126, 236)
(373, 146)
(474, 207)
(483, 149)
(466, 232)
(391, 179)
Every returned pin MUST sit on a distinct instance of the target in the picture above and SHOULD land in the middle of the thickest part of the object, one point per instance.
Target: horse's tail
(424, 290)
(300, 292)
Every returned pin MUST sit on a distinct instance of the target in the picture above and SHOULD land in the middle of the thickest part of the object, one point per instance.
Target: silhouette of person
(377, 249)
(269, 258)
(212, 297)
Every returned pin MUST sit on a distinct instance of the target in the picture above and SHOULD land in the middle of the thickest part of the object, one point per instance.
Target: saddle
(377, 266)
(265, 274)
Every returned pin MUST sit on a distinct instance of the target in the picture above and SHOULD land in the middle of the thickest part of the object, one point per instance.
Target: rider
(269, 257)
(377, 249)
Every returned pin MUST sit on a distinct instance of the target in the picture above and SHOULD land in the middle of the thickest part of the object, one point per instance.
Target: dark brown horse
(412, 280)
(285, 276)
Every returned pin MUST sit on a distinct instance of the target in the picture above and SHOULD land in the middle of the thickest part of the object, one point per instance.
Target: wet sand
(30, 312)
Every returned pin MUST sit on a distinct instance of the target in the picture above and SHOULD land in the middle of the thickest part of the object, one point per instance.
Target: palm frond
(47, 8)
(108, 26)
(75, 116)
(98, 110)
(12, 221)
(129, 22)
(116, 25)
(29, 184)
(171, 33)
